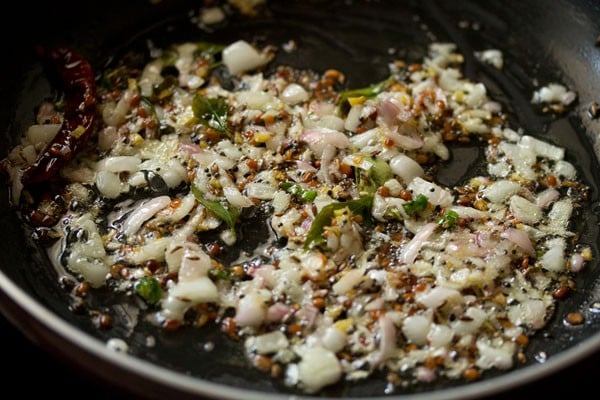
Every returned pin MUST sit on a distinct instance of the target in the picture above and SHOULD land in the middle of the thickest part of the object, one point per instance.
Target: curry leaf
(360, 206)
(368, 92)
(211, 112)
(380, 171)
(208, 49)
(228, 215)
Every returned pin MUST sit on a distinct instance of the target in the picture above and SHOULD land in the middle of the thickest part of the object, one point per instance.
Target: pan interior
(360, 39)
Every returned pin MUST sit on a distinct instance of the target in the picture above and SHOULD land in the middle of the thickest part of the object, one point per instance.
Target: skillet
(539, 43)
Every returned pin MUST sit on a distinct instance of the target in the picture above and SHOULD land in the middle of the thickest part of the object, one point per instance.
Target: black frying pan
(541, 41)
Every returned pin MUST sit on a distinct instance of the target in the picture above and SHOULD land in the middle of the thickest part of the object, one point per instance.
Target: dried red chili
(79, 86)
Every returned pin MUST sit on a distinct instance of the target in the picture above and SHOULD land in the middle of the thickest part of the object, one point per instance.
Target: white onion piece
(294, 94)
(353, 119)
(469, 212)
(143, 213)
(281, 201)
(42, 133)
(267, 343)
(387, 343)
(108, 184)
(553, 93)
(406, 136)
(303, 166)
(547, 197)
(542, 148)
(241, 56)
(554, 258)
(415, 329)
(530, 313)
(439, 335)
(411, 249)
(154, 250)
(119, 164)
(560, 214)
(255, 100)
(201, 290)
(500, 191)
(332, 122)
(277, 312)
(206, 158)
(469, 325)
(194, 265)
(492, 357)
(491, 56)
(183, 209)
(519, 238)
(565, 170)
(576, 262)
(87, 256)
(116, 114)
(107, 137)
(406, 168)
(366, 138)
(251, 311)
(437, 296)
(436, 195)
(348, 281)
(334, 339)
(524, 210)
(425, 374)
(319, 138)
(260, 190)
(319, 367)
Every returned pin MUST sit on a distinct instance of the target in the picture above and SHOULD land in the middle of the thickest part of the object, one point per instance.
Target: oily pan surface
(329, 35)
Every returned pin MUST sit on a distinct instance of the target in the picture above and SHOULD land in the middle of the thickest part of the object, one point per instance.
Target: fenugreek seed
(471, 374)
(82, 289)
(263, 363)
(522, 340)
(575, 318)
(561, 292)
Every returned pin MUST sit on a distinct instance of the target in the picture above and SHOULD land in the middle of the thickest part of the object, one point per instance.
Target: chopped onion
(415, 329)
(406, 168)
(493, 357)
(241, 56)
(501, 190)
(108, 184)
(576, 262)
(294, 94)
(119, 164)
(437, 296)
(319, 138)
(143, 213)
(519, 238)
(251, 311)
(42, 133)
(348, 281)
(411, 250)
(547, 197)
(267, 343)
(525, 210)
(319, 367)
(334, 339)
(436, 195)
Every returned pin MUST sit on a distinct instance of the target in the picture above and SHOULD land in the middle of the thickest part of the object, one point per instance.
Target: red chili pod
(79, 86)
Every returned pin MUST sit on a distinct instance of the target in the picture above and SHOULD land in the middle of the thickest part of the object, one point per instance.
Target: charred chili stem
(78, 82)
